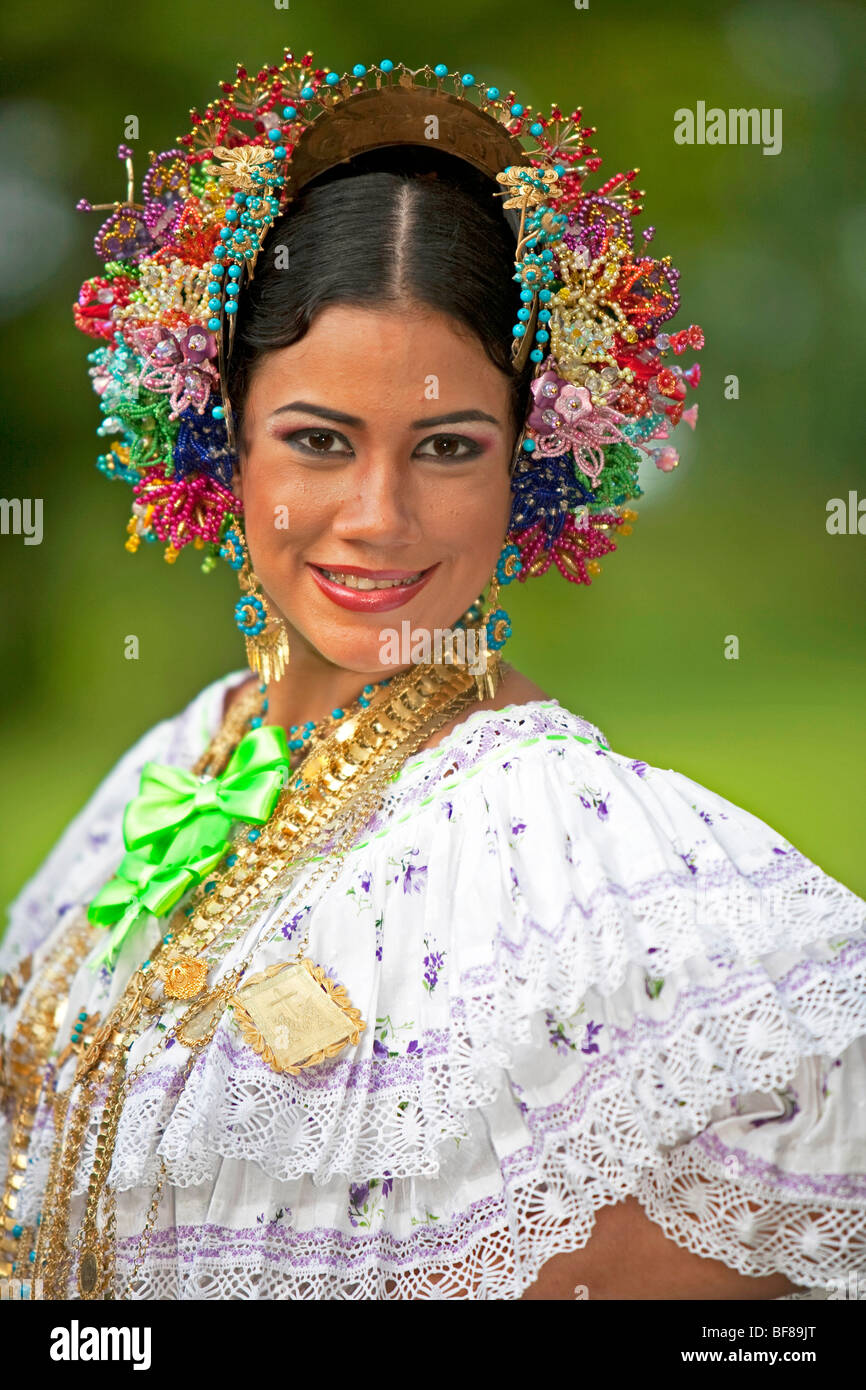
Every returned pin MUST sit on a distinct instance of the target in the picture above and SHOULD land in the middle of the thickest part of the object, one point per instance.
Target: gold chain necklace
(332, 795)
(25, 1078)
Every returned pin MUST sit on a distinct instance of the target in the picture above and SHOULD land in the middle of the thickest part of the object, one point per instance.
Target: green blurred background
(734, 542)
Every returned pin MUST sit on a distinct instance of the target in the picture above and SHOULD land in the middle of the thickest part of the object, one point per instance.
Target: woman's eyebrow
(307, 408)
(341, 417)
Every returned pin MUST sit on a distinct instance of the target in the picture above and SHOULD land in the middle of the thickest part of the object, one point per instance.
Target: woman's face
(375, 478)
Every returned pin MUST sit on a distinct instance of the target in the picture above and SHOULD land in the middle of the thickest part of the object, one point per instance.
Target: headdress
(606, 388)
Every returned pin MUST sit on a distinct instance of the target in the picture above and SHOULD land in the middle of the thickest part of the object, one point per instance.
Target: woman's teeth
(360, 581)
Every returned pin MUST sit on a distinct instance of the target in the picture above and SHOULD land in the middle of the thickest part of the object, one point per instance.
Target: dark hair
(401, 224)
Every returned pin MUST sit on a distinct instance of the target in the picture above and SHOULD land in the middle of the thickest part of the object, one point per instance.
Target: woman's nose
(379, 505)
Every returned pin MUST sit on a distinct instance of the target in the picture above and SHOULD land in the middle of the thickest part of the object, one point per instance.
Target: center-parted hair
(396, 226)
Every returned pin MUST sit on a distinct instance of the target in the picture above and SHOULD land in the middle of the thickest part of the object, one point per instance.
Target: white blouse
(583, 978)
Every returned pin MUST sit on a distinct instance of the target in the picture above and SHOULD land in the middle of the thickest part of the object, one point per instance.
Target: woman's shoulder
(91, 844)
(537, 801)
(517, 697)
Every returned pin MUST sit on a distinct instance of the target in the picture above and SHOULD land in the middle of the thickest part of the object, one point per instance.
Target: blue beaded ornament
(250, 615)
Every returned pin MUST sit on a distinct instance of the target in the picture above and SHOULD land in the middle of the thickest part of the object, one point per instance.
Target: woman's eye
(320, 442)
(448, 446)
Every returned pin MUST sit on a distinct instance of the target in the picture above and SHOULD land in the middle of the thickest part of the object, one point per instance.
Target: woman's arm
(629, 1257)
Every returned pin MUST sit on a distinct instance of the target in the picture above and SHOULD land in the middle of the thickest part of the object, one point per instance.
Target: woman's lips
(369, 600)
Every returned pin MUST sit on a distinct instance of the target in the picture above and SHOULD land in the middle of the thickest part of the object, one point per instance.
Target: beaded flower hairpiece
(593, 301)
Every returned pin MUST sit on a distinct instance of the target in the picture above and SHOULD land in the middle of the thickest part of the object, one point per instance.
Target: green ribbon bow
(143, 883)
(169, 797)
(176, 830)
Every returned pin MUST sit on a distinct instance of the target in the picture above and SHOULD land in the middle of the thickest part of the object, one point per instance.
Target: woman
(380, 974)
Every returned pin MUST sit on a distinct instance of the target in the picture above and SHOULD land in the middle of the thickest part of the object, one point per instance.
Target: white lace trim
(497, 1247)
(733, 1035)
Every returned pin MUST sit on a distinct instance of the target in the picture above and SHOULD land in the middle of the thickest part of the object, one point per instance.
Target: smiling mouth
(372, 579)
(370, 591)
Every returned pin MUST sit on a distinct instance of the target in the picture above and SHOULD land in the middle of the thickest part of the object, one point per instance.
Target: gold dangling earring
(491, 623)
(266, 639)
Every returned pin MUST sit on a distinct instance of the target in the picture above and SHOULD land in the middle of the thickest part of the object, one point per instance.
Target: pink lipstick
(402, 586)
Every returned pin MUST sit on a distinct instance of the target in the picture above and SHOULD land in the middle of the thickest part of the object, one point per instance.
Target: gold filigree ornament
(235, 167)
(295, 1016)
(185, 978)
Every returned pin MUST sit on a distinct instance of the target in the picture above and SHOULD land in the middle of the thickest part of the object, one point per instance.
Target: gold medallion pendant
(294, 1016)
(89, 1271)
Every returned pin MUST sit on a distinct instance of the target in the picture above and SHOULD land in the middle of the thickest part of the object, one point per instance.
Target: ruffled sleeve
(583, 978)
(673, 996)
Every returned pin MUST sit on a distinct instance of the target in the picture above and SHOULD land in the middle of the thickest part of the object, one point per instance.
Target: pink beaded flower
(567, 419)
(181, 510)
(575, 550)
(180, 366)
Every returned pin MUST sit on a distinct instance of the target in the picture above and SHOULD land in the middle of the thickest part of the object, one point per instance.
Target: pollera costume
(337, 1016)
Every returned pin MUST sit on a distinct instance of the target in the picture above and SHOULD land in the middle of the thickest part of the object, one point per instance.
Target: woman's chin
(380, 648)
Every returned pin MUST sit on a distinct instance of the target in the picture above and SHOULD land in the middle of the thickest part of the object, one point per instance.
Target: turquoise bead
(337, 713)
(359, 70)
(289, 113)
(528, 446)
(386, 65)
(218, 412)
(17, 1231)
(517, 109)
(83, 1016)
(440, 70)
(468, 80)
(536, 128)
(493, 93)
(332, 79)
(308, 92)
